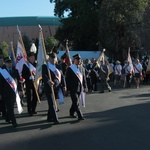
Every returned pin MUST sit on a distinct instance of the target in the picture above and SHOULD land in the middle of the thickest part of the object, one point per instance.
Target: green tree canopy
(50, 43)
(112, 23)
(4, 47)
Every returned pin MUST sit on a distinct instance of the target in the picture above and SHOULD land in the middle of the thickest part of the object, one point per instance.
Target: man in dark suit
(76, 83)
(28, 73)
(104, 76)
(63, 64)
(9, 96)
(2, 112)
(56, 83)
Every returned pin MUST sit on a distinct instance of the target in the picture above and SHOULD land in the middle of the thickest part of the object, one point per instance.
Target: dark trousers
(89, 83)
(104, 83)
(31, 100)
(128, 80)
(2, 107)
(9, 103)
(75, 104)
(52, 115)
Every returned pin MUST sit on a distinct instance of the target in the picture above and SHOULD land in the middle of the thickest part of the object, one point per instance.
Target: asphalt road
(117, 120)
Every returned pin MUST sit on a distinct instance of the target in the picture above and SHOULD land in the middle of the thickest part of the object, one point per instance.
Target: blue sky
(13, 8)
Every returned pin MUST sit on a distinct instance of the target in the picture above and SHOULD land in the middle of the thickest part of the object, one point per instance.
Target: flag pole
(14, 58)
(49, 75)
(12, 50)
(24, 51)
(67, 51)
(124, 84)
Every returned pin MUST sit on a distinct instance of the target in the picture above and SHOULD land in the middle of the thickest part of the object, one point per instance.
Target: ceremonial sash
(136, 68)
(77, 72)
(80, 77)
(31, 68)
(95, 72)
(55, 71)
(103, 70)
(13, 85)
(117, 70)
(128, 70)
(58, 76)
(145, 64)
(82, 98)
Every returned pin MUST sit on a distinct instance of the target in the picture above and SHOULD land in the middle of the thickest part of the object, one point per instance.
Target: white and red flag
(21, 58)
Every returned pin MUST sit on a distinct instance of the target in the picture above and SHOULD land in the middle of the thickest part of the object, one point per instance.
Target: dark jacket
(57, 85)
(103, 74)
(73, 82)
(7, 91)
(26, 75)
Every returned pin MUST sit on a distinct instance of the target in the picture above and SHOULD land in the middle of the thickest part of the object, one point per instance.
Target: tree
(4, 47)
(113, 24)
(118, 25)
(78, 26)
(50, 43)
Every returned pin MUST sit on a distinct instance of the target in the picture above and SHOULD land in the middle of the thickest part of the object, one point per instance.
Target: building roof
(29, 21)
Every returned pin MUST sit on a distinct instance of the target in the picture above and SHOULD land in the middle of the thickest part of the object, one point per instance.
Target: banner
(20, 58)
(129, 59)
(105, 61)
(40, 61)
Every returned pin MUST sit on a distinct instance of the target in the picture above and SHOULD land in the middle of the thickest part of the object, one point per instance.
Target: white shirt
(128, 69)
(118, 69)
(137, 68)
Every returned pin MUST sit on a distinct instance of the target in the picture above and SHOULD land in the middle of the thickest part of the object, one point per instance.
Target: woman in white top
(138, 72)
(117, 69)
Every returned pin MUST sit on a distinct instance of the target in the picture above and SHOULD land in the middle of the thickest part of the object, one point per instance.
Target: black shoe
(101, 92)
(109, 89)
(7, 120)
(15, 125)
(81, 118)
(34, 112)
(73, 116)
(30, 114)
(56, 122)
(49, 120)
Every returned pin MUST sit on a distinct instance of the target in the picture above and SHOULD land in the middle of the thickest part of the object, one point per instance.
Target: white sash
(80, 77)
(55, 71)
(77, 72)
(58, 76)
(82, 98)
(31, 68)
(13, 85)
(103, 70)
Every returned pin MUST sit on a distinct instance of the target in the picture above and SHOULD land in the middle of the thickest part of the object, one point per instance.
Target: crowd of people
(124, 74)
(59, 80)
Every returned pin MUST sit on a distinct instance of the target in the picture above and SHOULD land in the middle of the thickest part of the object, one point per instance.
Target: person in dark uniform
(76, 82)
(28, 75)
(63, 64)
(2, 106)
(94, 77)
(9, 96)
(104, 76)
(88, 68)
(57, 82)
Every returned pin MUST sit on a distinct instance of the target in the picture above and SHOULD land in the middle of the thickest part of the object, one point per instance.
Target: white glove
(31, 77)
